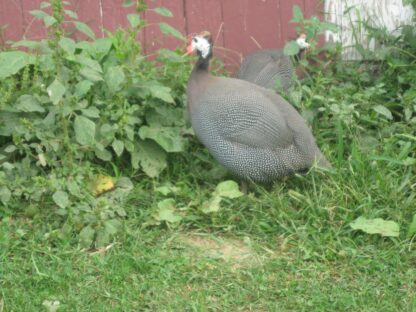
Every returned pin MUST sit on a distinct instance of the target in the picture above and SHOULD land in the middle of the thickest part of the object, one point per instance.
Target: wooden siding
(348, 13)
(238, 26)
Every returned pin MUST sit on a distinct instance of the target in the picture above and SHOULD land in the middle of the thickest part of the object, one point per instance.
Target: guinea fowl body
(250, 130)
(267, 68)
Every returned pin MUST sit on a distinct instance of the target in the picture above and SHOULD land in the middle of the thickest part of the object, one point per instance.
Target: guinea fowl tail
(322, 161)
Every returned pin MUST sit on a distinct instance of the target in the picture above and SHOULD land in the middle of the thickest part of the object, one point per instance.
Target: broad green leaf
(71, 14)
(44, 4)
(125, 183)
(163, 93)
(82, 88)
(171, 56)
(167, 189)
(166, 211)
(330, 26)
(114, 78)
(85, 45)
(92, 112)
(291, 48)
(150, 156)
(28, 103)
(73, 188)
(412, 227)
(167, 137)
(228, 189)
(163, 11)
(169, 30)
(376, 226)
(108, 131)
(91, 74)
(38, 45)
(382, 110)
(13, 61)
(212, 205)
(85, 29)
(165, 116)
(297, 14)
(56, 91)
(68, 45)
(112, 226)
(86, 236)
(101, 47)
(10, 149)
(89, 62)
(159, 91)
(128, 3)
(49, 21)
(5, 194)
(103, 154)
(118, 147)
(409, 161)
(134, 20)
(8, 123)
(39, 14)
(61, 199)
(102, 238)
(84, 130)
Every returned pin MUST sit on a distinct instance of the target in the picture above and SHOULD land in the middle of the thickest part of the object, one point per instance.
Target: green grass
(153, 271)
(306, 257)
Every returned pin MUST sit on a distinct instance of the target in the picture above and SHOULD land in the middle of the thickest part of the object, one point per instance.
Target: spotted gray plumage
(250, 130)
(266, 67)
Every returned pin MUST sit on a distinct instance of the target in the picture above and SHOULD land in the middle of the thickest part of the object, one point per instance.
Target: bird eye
(194, 39)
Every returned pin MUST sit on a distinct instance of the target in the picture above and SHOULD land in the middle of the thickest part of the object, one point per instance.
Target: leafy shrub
(360, 100)
(70, 110)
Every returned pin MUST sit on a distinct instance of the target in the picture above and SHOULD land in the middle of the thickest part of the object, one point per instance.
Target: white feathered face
(200, 43)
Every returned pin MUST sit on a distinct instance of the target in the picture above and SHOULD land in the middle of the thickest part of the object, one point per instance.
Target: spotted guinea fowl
(266, 67)
(250, 130)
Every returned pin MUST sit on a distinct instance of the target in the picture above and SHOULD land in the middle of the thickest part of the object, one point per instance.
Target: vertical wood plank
(251, 25)
(115, 15)
(205, 15)
(313, 7)
(154, 39)
(89, 12)
(11, 16)
(33, 28)
(286, 13)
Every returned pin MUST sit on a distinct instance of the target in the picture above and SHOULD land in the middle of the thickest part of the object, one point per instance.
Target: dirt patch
(238, 253)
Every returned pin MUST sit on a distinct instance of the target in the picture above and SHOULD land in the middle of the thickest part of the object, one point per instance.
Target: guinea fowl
(266, 67)
(250, 130)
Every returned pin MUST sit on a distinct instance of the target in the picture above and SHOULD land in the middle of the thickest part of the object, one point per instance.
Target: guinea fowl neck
(201, 66)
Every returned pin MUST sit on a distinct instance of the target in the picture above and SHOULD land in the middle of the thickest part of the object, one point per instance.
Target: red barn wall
(238, 26)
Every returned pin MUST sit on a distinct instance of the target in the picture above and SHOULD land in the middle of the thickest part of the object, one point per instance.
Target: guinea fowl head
(201, 44)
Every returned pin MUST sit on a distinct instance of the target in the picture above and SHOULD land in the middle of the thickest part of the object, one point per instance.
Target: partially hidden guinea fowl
(250, 130)
(270, 67)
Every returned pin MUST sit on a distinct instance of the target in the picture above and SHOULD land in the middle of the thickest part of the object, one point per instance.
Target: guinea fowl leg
(244, 187)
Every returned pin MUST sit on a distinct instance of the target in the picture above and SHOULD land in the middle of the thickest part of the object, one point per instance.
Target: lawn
(285, 249)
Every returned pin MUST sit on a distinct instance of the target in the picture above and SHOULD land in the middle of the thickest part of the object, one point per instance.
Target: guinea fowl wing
(242, 114)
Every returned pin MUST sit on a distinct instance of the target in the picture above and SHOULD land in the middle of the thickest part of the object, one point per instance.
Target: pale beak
(189, 50)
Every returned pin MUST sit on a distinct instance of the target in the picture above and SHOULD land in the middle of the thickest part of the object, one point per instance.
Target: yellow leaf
(100, 184)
